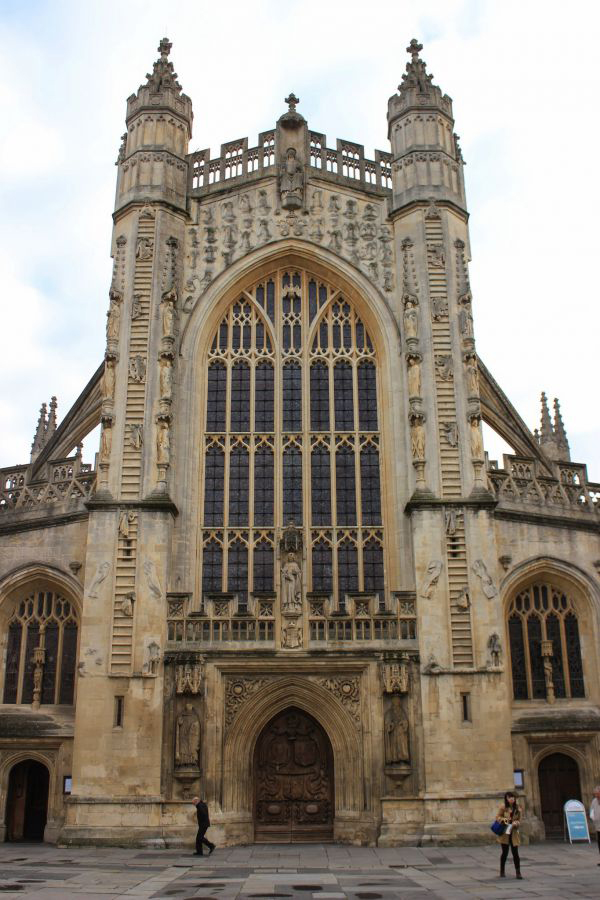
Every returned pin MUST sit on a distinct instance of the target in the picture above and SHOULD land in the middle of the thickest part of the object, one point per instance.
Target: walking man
(203, 825)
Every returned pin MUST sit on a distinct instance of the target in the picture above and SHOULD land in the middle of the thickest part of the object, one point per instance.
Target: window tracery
(42, 650)
(292, 421)
(544, 644)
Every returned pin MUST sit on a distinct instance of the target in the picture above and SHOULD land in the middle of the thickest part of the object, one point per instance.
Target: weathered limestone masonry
(293, 582)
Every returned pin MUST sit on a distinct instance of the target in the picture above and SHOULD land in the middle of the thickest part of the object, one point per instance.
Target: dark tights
(515, 854)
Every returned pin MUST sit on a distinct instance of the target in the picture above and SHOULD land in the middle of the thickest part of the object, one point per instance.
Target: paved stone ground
(325, 871)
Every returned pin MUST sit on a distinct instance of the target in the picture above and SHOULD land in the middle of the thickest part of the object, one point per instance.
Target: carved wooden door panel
(293, 781)
(559, 782)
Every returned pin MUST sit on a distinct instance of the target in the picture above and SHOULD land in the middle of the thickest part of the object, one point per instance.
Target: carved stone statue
(417, 438)
(413, 361)
(487, 585)
(152, 578)
(187, 739)
(126, 518)
(476, 439)
(137, 368)
(108, 381)
(103, 570)
(472, 377)
(127, 604)
(451, 433)
(292, 634)
(434, 570)
(291, 585)
(465, 322)
(163, 444)
(396, 734)
(113, 317)
(166, 380)
(150, 667)
(168, 316)
(105, 442)
(143, 248)
(495, 648)
(291, 181)
(136, 435)
(411, 322)
(188, 678)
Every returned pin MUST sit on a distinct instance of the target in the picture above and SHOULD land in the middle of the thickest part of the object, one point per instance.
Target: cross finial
(414, 48)
(292, 101)
(164, 48)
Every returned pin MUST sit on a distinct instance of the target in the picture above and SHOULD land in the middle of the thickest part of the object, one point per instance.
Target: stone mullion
(22, 661)
(524, 623)
(563, 646)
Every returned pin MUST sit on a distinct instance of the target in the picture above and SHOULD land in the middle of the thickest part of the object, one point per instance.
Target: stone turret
(427, 162)
(152, 163)
(553, 438)
(39, 438)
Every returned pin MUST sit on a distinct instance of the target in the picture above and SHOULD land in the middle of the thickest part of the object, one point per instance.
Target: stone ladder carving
(451, 488)
(123, 608)
(138, 347)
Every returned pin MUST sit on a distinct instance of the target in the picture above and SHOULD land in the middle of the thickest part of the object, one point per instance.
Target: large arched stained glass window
(545, 652)
(41, 654)
(291, 435)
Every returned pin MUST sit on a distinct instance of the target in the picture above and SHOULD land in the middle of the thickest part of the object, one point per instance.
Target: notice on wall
(576, 821)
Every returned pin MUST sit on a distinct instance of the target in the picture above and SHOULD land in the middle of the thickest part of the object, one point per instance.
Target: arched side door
(558, 776)
(27, 804)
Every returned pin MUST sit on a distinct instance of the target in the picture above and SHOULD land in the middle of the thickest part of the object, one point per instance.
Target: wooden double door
(559, 781)
(293, 781)
(27, 802)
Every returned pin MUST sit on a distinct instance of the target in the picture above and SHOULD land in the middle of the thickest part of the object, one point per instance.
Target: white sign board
(576, 821)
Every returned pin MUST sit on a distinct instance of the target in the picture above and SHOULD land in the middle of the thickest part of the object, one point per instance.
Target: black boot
(502, 875)
(519, 874)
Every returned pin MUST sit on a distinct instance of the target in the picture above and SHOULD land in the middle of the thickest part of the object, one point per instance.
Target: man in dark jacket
(203, 825)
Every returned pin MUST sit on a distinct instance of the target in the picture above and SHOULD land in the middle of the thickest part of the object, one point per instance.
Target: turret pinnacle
(39, 439)
(163, 74)
(416, 71)
(546, 432)
(51, 426)
(560, 435)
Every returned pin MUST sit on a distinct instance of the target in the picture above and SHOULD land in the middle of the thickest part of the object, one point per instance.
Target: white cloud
(524, 101)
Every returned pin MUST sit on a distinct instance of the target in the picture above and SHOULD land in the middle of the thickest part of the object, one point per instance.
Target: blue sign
(576, 821)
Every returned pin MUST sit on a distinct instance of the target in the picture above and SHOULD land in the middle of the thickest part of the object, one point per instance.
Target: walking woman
(510, 815)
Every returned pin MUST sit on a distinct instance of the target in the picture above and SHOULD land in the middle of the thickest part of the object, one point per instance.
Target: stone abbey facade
(293, 581)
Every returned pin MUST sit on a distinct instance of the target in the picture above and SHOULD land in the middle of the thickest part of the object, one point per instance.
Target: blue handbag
(498, 828)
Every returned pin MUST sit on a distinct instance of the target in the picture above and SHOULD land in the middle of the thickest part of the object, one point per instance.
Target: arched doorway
(27, 803)
(293, 780)
(558, 776)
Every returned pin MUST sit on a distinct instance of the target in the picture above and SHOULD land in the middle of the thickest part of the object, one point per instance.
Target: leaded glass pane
(50, 663)
(517, 658)
(343, 397)
(345, 486)
(13, 655)
(292, 397)
(367, 397)
(68, 661)
(319, 397)
(347, 569)
(263, 567)
(31, 642)
(373, 567)
(214, 486)
(238, 486)
(264, 398)
(240, 397)
(370, 487)
(553, 634)
(320, 486)
(322, 568)
(212, 567)
(292, 486)
(264, 486)
(574, 656)
(534, 636)
(237, 570)
(216, 397)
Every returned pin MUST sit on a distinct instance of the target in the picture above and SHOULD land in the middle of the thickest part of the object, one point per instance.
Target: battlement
(61, 480)
(344, 165)
(521, 482)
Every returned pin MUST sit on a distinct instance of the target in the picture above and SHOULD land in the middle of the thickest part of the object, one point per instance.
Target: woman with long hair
(509, 814)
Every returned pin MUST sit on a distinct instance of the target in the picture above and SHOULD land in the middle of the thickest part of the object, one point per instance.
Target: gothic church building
(293, 581)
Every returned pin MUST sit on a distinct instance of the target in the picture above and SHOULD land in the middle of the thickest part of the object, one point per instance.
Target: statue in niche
(113, 320)
(476, 439)
(263, 202)
(465, 321)
(396, 734)
(244, 205)
(163, 444)
(437, 257)
(439, 308)
(136, 306)
(137, 368)
(413, 362)
(264, 234)
(166, 381)
(495, 648)
(105, 442)
(451, 433)
(411, 321)
(150, 667)
(434, 570)
(291, 586)
(291, 181)
(187, 738)
(417, 438)
(445, 367)
(108, 382)
(168, 316)
(292, 635)
(472, 377)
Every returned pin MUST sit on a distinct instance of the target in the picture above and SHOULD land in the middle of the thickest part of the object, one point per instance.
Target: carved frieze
(238, 690)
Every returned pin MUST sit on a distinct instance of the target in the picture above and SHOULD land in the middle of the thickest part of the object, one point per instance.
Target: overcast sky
(524, 80)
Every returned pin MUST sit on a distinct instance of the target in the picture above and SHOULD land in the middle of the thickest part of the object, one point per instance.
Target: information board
(576, 821)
